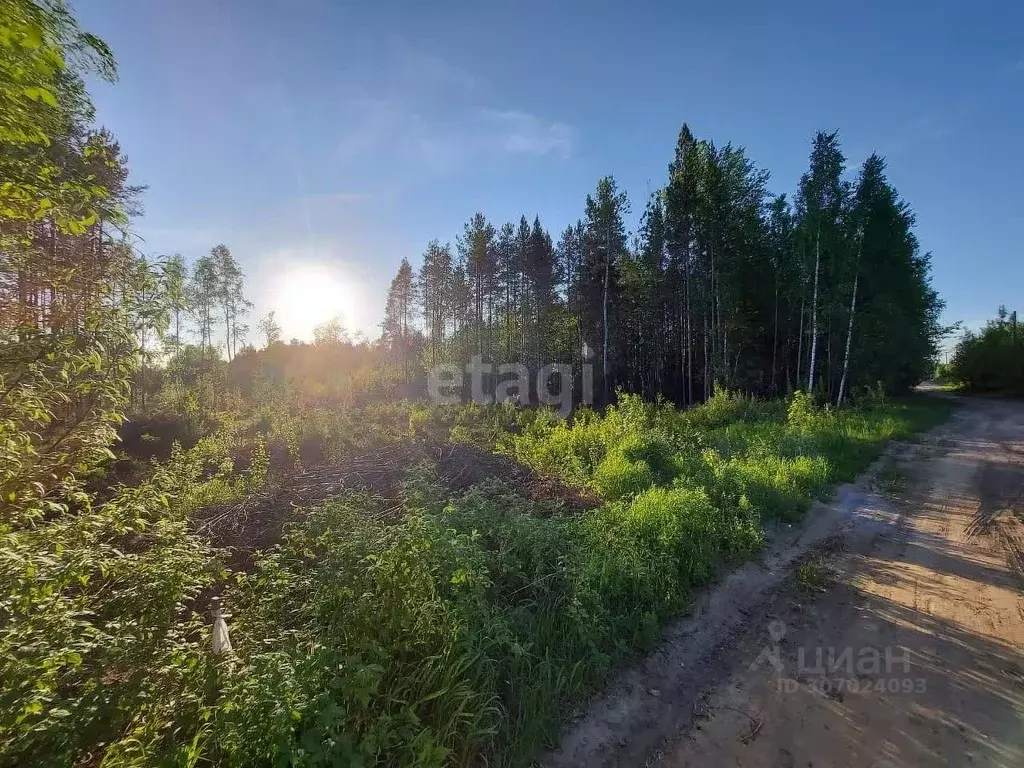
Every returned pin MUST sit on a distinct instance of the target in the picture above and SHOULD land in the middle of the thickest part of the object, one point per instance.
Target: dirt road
(888, 630)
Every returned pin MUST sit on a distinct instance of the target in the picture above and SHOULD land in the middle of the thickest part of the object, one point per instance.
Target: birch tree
(820, 204)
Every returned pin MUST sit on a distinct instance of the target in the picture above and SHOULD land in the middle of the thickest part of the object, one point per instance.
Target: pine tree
(507, 255)
(398, 314)
(434, 285)
(605, 245)
(476, 247)
(896, 309)
(540, 279)
(569, 255)
(785, 289)
(820, 204)
(680, 194)
(726, 285)
(519, 293)
(643, 275)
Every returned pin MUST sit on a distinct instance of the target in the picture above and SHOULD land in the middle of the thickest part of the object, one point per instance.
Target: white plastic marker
(221, 638)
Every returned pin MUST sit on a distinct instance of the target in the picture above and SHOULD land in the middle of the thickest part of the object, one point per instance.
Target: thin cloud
(442, 141)
(432, 71)
(430, 114)
(525, 134)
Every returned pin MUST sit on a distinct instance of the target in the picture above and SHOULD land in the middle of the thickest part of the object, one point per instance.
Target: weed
(813, 575)
(891, 480)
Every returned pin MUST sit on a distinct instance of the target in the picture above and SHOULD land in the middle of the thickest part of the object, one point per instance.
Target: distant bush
(992, 360)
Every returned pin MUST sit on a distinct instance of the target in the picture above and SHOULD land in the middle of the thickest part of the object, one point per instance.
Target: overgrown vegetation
(993, 359)
(425, 628)
(406, 584)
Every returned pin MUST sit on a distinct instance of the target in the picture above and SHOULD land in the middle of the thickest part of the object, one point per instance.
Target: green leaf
(33, 37)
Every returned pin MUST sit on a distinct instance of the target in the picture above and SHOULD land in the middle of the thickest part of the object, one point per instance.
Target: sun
(307, 295)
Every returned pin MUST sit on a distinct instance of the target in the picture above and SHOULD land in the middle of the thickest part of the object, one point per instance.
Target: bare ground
(887, 630)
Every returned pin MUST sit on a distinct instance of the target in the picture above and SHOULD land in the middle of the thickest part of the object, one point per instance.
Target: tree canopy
(723, 285)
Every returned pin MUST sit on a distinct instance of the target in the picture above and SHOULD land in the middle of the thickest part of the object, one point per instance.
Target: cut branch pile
(256, 522)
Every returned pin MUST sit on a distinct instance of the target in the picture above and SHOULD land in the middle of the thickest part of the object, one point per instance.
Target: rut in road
(900, 644)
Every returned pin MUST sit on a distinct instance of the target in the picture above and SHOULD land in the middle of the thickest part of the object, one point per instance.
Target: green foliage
(455, 631)
(617, 476)
(435, 627)
(644, 556)
(992, 360)
(62, 397)
(944, 375)
(352, 647)
(801, 412)
(98, 650)
(42, 56)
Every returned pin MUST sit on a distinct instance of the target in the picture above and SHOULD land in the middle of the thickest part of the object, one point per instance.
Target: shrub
(655, 452)
(618, 476)
(801, 413)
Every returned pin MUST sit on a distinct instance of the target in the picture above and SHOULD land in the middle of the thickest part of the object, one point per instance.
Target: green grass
(458, 633)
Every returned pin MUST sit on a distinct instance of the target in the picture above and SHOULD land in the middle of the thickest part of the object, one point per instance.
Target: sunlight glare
(308, 295)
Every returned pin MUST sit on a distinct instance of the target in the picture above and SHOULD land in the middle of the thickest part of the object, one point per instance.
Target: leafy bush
(98, 651)
(801, 413)
(618, 476)
(992, 360)
(356, 649)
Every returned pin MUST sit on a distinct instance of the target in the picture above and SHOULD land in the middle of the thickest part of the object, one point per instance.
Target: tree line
(723, 285)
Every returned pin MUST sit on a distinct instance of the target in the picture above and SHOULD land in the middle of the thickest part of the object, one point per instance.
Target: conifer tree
(605, 246)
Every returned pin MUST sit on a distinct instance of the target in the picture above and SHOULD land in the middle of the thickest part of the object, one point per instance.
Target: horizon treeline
(724, 285)
(991, 359)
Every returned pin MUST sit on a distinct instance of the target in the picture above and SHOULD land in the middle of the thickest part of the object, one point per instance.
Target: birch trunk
(775, 332)
(814, 313)
(849, 330)
(604, 312)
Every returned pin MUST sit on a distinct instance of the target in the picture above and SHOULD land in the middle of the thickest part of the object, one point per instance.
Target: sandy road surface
(901, 645)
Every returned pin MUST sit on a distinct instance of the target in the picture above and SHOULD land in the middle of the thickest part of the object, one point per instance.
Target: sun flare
(308, 295)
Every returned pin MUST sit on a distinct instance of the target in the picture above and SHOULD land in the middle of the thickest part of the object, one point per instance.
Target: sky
(323, 141)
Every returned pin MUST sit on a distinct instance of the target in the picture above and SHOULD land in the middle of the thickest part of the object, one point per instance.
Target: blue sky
(335, 138)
